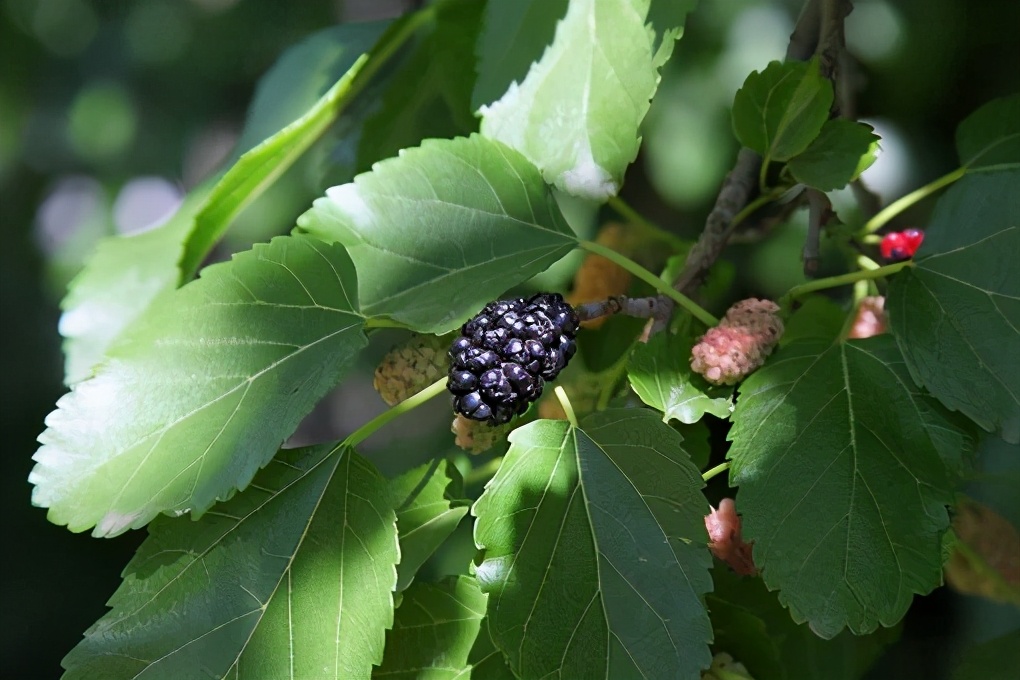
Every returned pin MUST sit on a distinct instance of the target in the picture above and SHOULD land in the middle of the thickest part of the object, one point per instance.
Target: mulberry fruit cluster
(731, 351)
(504, 355)
(410, 367)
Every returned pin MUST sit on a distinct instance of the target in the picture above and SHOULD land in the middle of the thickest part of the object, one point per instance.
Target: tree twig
(741, 182)
(819, 214)
(642, 308)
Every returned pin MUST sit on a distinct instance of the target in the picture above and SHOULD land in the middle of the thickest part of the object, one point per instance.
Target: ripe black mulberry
(504, 355)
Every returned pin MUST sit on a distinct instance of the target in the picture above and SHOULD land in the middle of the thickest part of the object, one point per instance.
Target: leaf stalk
(409, 404)
(901, 204)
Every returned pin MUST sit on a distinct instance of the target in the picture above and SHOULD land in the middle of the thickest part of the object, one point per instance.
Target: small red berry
(894, 246)
(914, 238)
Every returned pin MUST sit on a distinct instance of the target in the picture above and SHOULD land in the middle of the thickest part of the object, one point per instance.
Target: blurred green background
(110, 110)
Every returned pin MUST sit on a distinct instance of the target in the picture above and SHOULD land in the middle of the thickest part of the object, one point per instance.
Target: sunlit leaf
(576, 114)
(844, 469)
(129, 272)
(660, 373)
(443, 229)
(433, 631)
(202, 390)
(595, 557)
(956, 313)
(291, 578)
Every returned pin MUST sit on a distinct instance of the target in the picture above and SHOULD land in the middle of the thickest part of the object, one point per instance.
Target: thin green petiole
(718, 469)
(634, 217)
(561, 395)
(901, 204)
(651, 279)
(409, 404)
(841, 280)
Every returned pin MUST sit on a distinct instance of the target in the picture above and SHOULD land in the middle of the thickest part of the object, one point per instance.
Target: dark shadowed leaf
(428, 503)
(996, 659)
(428, 95)
(515, 34)
(844, 469)
(433, 632)
(781, 110)
(956, 314)
(752, 625)
(202, 390)
(990, 137)
(841, 151)
(443, 229)
(291, 578)
(595, 559)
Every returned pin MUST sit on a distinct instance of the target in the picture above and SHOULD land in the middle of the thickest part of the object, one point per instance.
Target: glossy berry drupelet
(504, 355)
(901, 245)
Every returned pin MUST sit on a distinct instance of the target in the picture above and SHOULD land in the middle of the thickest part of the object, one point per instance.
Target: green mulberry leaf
(202, 390)
(838, 155)
(956, 313)
(660, 373)
(989, 138)
(293, 577)
(297, 101)
(781, 110)
(428, 510)
(595, 557)
(845, 470)
(576, 114)
(434, 630)
(443, 229)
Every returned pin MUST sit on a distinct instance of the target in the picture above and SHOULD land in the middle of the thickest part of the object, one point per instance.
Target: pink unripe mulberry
(731, 351)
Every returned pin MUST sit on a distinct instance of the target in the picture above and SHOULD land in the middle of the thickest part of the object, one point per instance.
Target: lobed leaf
(128, 273)
(433, 631)
(595, 556)
(428, 508)
(845, 470)
(956, 313)
(200, 392)
(291, 578)
(576, 114)
(660, 374)
(842, 150)
(990, 137)
(778, 112)
(443, 229)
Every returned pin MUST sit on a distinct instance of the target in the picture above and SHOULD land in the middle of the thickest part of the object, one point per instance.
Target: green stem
(483, 473)
(901, 204)
(841, 280)
(720, 468)
(409, 404)
(561, 395)
(637, 219)
(651, 279)
(754, 205)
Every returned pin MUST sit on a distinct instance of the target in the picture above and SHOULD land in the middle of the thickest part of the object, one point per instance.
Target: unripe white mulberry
(731, 351)
(410, 367)
(476, 436)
